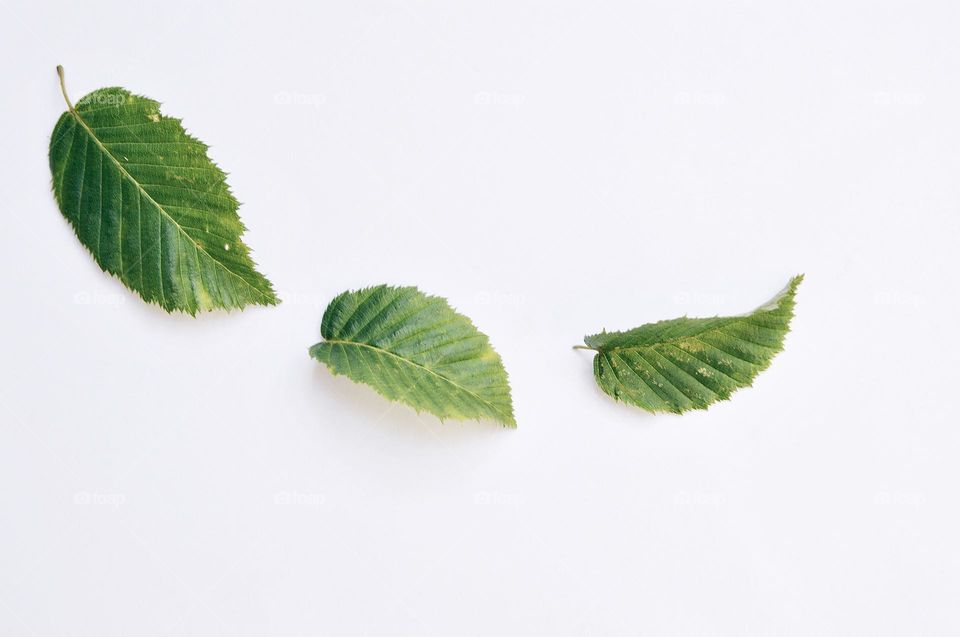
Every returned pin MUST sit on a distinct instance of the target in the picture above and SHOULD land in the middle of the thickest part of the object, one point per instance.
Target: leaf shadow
(155, 313)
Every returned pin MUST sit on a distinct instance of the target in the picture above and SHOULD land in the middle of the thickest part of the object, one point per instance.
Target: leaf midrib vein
(160, 208)
(419, 366)
(680, 339)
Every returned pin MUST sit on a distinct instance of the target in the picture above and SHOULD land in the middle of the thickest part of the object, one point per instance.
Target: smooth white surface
(553, 169)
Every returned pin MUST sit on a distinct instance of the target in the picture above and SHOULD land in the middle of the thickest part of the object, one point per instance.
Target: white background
(552, 169)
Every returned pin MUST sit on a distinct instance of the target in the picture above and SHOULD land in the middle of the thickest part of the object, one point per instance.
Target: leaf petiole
(63, 87)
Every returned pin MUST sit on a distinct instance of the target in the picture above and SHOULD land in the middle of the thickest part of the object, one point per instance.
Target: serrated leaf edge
(263, 298)
(773, 304)
(506, 419)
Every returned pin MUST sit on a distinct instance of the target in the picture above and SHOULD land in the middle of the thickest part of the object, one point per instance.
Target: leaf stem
(592, 349)
(63, 88)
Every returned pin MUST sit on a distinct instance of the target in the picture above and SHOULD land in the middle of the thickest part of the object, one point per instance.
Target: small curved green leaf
(153, 209)
(685, 363)
(417, 350)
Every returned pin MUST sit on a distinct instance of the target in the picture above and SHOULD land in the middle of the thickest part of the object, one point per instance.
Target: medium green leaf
(685, 363)
(415, 349)
(150, 205)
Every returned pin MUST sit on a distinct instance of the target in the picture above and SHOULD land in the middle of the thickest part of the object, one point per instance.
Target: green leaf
(685, 363)
(415, 349)
(153, 209)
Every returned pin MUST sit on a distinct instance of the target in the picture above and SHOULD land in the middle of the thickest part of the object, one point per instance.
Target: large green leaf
(685, 363)
(150, 205)
(415, 349)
